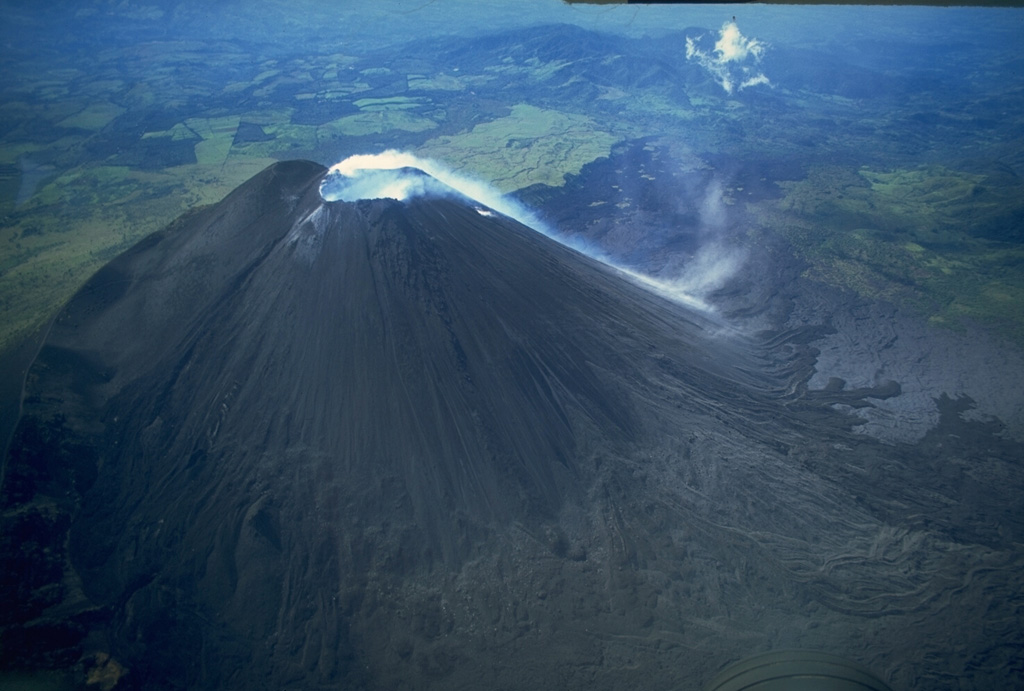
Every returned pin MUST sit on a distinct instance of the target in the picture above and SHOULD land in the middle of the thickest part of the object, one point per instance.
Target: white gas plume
(399, 175)
(389, 175)
(716, 261)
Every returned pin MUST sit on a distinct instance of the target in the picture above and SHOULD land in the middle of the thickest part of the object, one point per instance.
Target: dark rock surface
(874, 343)
(290, 444)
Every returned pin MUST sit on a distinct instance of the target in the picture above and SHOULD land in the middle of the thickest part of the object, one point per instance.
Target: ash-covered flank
(292, 443)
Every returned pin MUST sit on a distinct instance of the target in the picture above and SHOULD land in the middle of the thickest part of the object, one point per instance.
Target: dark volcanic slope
(288, 443)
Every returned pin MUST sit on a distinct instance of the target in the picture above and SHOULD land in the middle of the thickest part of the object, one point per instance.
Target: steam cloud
(713, 264)
(733, 60)
(710, 268)
(398, 175)
(394, 175)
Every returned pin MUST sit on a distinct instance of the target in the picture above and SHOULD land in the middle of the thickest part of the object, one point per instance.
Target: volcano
(297, 443)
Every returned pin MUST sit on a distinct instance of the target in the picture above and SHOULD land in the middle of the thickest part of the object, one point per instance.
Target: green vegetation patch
(265, 75)
(94, 117)
(77, 222)
(217, 134)
(374, 122)
(392, 103)
(534, 67)
(286, 140)
(944, 242)
(939, 204)
(437, 82)
(79, 190)
(545, 70)
(644, 104)
(929, 205)
(268, 89)
(530, 145)
(176, 133)
(18, 113)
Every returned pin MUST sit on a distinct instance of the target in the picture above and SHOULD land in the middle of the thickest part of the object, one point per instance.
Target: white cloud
(733, 60)
(732, 46)
(754, 81)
